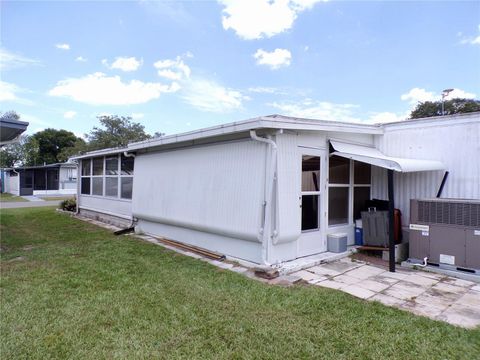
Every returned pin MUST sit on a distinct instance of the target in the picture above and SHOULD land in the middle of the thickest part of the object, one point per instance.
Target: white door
(312, 239)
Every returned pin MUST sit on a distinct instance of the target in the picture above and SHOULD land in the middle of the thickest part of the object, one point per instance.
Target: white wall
(110, 206)
(14, 185)
(454, 141)
(217, 189)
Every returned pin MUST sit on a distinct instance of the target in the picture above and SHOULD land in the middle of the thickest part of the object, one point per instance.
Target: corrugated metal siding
(212, 188)
(456, 145)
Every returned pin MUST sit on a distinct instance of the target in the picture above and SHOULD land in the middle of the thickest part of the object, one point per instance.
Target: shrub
(69, 205)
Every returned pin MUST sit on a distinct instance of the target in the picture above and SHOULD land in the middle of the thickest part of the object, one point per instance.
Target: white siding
(14, 185)
(457, 145)
(217, 189)
(110, 206)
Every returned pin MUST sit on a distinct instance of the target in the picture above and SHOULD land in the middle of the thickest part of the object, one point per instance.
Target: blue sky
(179, 66)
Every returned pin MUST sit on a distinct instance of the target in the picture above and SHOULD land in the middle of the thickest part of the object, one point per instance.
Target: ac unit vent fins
(449, 213)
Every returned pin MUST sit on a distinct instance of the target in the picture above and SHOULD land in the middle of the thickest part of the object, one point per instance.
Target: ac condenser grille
(449, 213)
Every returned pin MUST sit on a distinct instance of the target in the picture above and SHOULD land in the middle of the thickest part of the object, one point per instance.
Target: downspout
(269, 183)
(79, 178)
(131, 155)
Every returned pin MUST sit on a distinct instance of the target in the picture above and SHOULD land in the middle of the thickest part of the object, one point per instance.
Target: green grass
(6, 197)
(56, 198)
(72, 290)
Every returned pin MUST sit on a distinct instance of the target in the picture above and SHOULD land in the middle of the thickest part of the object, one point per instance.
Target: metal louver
(449, 213)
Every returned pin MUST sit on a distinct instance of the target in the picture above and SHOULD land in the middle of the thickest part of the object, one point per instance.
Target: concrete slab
(459, 315)
(322, 270)
(471, 298)
(331, 284)
(387, 300)
(394, 275)
(364, 272)
(404, 291)
(372, 285)
(422, 309)
(358, 291)
(420, 280)
(346, 279)
(442, 286)
(476, 288)
(459, 282)
(307, 275)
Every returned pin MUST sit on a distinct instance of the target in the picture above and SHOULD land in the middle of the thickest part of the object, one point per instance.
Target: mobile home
(271, 189)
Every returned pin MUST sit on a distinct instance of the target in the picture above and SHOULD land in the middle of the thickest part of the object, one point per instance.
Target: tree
(9, 115)
(80, 147)
(23, 153)
(117, 131)
(51, 143)
(454, 106)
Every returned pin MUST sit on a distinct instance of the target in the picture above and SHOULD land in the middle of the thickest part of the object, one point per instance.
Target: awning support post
(391, 222)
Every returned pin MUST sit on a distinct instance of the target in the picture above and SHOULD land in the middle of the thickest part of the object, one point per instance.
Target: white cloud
(124, 63)
(322, 110)
(80, 59)
(264, 90)
(173, 69)
(386, 117)
(417, 95)
(274, 59)
(69, 114)
(8, 91)
(207, 95)
(472, 40)
(256, 19)
(137, 116)
(62, 46)
(10, 60)
(99, 89)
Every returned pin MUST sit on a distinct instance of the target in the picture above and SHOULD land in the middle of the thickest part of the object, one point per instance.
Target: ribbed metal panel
(217, 188)
(457, 145)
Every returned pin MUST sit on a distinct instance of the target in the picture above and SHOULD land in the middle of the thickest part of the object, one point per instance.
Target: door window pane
(310, 212)
(111, 186)
(86, 167)
(310, 173)
(337, 205)
(126, 187)
(360, 197)
(98, 166)
(339, 170)
(97, 186)
(111, 164)
(127, 165)
(361, 173)
(85, 186)
(39, 179)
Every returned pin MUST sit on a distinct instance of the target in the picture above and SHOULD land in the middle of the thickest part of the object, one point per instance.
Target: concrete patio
(433, 295)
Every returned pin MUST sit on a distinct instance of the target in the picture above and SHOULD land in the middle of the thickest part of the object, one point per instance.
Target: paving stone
(420, 280)
(476, 288)
(358, 291)
(372, 285)
(346, 279)
(322, 270)
(422, 309)
(341, 266)
(387, 300)
(442, 286)
(239, 269)
(464, 316)
(285, 280)
(394, 275)
(314, 281)
(471, 298)
(385, 280)
(404, 290)
(306, 275)
(429, 299)
(430, 275)
(458, 282)
(331, 284)
(364, 272)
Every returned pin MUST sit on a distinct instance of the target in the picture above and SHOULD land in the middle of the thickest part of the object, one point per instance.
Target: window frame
(318, 193)
(351, 192)
(104, 176)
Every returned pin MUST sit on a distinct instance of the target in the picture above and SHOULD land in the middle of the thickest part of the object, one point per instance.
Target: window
(349, 182)
(110, 176)
(111, 186)
(310, 192)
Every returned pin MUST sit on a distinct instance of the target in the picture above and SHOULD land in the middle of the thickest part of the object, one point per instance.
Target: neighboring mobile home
(270, 189)
(52, 179)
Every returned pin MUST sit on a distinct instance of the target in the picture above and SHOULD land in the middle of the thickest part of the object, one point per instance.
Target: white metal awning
(373, 156)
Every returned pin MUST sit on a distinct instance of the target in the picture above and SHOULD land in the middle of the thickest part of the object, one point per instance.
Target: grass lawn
(6, 197)
(73, 290)
(56, 198)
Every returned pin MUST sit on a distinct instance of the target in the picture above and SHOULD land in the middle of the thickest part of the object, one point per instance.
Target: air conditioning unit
(447, 232)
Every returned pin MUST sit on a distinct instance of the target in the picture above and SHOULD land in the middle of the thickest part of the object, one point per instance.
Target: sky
(180, 66)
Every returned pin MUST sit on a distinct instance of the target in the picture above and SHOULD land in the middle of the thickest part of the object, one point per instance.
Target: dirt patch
(28, 247)
(15, 259)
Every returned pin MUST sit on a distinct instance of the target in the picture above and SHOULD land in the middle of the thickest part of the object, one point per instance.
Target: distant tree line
(453, 106)
(52, 146)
